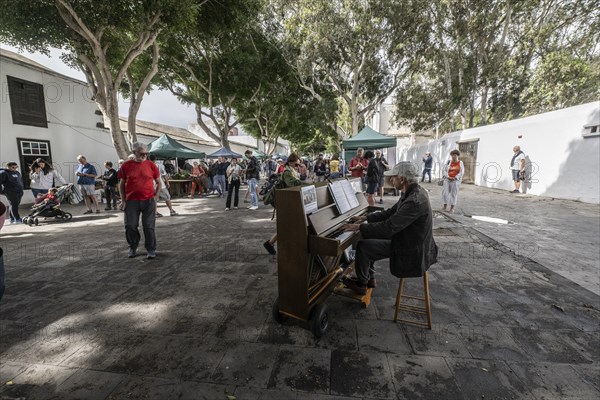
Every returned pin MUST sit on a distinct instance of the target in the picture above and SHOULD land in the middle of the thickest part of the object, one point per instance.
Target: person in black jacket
(110, 185)
(372, 177)
(402, 233)
(252, 175)
(11, 185)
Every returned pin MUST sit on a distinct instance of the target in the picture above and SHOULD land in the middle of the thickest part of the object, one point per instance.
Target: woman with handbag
(234, 177)
(453, 172)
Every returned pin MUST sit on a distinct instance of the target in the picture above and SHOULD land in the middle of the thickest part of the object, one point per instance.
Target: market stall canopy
(369, 139)
(167, 147)
(259, 154)
(224, 152)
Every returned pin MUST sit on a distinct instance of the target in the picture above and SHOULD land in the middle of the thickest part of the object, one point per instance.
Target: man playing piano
(402, 233)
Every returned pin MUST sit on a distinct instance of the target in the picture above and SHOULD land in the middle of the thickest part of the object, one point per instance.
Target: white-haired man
(139, 186)
(86, 179)
(402, 233)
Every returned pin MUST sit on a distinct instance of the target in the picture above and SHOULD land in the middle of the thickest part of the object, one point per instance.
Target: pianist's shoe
(270, 248)
(372, 283)
(356, 287)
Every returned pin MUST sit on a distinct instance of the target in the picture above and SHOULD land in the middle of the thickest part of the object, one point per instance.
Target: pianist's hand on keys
(358, 220)
(350, 227)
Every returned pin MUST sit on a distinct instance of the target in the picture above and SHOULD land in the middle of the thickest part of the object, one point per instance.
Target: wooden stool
(413, 308)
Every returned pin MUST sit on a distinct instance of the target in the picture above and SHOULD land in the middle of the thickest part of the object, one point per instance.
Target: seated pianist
(402, 233)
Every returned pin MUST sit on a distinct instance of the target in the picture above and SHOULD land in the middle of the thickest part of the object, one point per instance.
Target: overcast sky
(158, 106)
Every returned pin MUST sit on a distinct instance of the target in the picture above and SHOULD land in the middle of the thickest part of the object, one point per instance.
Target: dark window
(27, 102)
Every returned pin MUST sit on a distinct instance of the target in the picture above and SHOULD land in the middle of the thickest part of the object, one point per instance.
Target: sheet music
(343, 195)
(350, 194)
(339, 196)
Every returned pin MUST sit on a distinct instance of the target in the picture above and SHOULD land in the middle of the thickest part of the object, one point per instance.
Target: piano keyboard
(340, 235)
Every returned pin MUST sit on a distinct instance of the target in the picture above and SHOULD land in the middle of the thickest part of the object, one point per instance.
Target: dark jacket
(252, 168)
(10, 181)
(373, 171)
(110, 177)
(409, 225)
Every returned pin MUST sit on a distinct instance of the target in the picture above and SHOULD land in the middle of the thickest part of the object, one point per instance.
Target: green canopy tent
(367, 139)
(167, 148)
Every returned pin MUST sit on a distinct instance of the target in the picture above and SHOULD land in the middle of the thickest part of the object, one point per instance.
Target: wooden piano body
(309, 264)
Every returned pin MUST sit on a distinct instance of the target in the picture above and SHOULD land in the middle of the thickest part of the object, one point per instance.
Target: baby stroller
(49, 209)
(268, 184)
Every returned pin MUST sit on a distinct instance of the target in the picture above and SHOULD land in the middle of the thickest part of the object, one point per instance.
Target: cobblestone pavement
(515, 311)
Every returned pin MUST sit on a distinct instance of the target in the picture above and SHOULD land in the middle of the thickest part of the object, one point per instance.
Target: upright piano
(311, 257)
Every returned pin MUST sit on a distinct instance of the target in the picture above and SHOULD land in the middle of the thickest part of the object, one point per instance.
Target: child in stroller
(49, 206)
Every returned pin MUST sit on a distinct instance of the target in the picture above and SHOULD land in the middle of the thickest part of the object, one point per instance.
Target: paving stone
(8, 371)
(548, 381)
(36, 382)
(382, 337)
(242, 365)
(154, 388)
(549, 346)
(302, 369)
(479, 379)
(361, 374)
(442, 340)
(86, 384)
(423, 377)
(589, 372)
(492, 343)
(170, 357)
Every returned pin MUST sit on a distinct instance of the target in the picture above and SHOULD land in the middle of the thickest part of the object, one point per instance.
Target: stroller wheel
(30, 221)
(36, 222)
(67, 216)
(25, 220)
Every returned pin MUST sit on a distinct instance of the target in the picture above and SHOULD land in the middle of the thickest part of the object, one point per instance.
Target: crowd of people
(140, 182)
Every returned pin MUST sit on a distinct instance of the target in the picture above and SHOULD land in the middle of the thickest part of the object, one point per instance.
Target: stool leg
(398, 297)
(427, 305)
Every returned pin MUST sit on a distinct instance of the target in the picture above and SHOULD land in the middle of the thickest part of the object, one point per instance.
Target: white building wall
(564, 164)
(71, 122)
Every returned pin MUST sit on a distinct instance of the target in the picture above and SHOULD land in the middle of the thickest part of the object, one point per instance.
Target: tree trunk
(112, 116)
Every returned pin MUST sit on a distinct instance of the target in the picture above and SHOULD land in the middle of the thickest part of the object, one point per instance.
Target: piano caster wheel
(277, 316)
(319, 321)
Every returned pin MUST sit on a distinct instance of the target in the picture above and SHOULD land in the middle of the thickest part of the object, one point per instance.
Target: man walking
(428, 163)
(86, 179)
(219, 179)
(139, 185)
(252, 177)
(402, 233)
(517, 167)
(11, 185)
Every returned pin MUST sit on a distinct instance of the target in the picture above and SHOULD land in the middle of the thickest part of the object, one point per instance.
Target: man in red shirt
(358, 165)
(139, 186)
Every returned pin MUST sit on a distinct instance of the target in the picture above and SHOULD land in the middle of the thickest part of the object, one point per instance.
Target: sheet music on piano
(343, 195)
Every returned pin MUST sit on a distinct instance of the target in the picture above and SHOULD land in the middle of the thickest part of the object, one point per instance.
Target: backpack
(275, 182)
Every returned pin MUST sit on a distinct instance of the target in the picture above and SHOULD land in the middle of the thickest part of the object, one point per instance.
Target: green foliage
(561, 80)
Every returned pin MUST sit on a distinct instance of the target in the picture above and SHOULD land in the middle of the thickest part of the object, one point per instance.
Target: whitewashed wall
(564, 164)
(71, 122)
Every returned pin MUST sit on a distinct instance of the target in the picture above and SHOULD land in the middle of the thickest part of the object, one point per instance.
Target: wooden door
(468, 155)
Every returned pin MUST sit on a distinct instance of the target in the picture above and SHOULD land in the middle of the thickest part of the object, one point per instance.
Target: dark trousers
(428, 172)
(367, 252)
(133, 209)
(234, 186)
(110, 192)
(14, 200)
